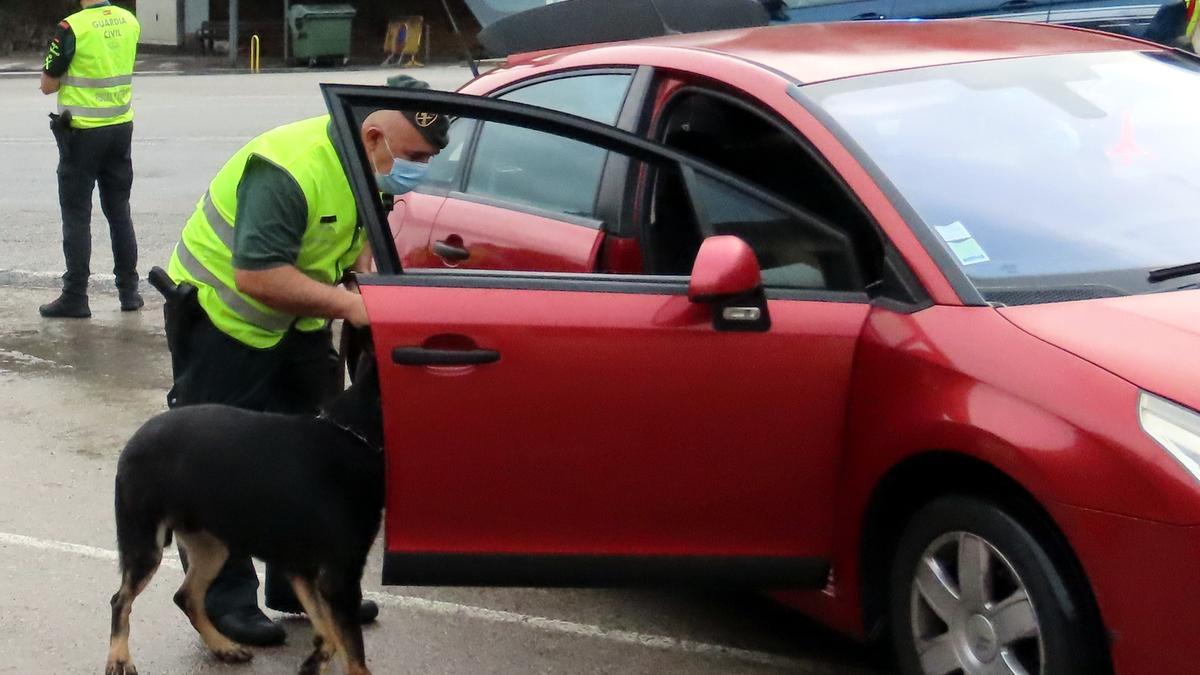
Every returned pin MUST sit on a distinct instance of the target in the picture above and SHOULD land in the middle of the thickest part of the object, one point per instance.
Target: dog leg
(206, 554)
(138, 567)
(343, 595)
(325, 643)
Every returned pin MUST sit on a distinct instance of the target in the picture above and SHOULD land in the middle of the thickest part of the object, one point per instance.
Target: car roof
(816, 52)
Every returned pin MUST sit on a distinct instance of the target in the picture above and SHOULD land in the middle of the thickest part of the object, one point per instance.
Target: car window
(543, 171)
(733, 135)
(705, 200)
(444, 167)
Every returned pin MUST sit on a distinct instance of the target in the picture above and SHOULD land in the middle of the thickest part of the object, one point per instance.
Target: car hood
(1152, 341)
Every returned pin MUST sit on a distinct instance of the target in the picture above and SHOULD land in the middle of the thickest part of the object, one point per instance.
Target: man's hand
(357, 312)
(287, 289)
(50, 85)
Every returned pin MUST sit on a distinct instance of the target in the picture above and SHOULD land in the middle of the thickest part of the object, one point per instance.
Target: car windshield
(1060, 177)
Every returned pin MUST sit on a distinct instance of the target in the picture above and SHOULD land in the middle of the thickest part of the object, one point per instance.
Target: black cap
(434, 128)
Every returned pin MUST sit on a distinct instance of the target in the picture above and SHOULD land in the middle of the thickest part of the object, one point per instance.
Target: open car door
(587, 429)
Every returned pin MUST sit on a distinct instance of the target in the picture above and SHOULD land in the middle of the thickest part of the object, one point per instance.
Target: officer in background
(258, 268)
(90, 66)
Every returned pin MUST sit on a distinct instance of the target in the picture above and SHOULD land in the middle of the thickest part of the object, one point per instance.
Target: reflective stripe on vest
(100, 113)
(220, 226)
(97, 88)
(96, 82)
(272, 322)
(330, 244)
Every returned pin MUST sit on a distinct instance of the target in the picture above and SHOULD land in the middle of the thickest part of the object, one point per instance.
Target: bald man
(265, 250)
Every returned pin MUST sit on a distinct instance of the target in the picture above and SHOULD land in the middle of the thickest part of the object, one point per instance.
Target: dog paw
(120, 668)
(315, 664)
(235, 654)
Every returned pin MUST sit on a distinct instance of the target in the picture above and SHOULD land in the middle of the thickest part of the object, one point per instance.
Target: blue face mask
(404, 176)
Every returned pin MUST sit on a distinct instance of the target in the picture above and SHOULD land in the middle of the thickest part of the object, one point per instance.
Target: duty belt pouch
(60, 126)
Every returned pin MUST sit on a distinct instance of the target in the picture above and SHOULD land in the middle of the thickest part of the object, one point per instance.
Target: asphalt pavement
(72, 392)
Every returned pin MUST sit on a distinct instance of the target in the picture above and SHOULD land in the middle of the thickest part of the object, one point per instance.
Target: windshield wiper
(1168, 273)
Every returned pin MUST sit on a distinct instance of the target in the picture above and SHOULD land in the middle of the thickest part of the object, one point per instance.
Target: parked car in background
(900, 315)
(1125, 17)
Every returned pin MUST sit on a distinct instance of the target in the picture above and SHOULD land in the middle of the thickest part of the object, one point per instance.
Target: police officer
(265, 249)
(90, 66)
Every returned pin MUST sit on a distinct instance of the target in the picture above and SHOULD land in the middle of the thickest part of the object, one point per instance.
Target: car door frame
(488, 109)
(751, 570)
(609, 192)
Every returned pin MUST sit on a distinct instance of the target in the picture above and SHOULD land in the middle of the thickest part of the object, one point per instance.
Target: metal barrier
(255, 54)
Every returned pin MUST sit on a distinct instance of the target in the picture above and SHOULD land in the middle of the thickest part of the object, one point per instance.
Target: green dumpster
(320, 32)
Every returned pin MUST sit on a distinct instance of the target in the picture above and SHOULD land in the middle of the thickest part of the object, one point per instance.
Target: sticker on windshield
(955, 231)
(962, 244)
(969, 252)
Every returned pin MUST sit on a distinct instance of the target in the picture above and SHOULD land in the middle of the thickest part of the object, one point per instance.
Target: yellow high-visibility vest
(331, 244)
(97, 88)
(1193, 17)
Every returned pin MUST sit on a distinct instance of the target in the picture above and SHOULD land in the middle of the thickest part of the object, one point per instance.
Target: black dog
(301, 493)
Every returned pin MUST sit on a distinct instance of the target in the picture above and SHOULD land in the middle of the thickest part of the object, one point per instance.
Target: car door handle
(421, 356)
(1016, 4)
(867, 16)
(450, 252)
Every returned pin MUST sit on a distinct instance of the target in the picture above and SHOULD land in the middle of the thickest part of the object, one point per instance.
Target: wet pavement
(72, 392)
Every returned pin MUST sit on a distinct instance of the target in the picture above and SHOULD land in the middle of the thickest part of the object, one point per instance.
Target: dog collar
(357, 435)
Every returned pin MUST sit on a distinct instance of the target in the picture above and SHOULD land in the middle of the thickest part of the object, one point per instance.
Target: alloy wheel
(971, 611)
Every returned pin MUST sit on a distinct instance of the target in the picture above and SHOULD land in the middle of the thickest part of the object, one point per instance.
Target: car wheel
(973, 590)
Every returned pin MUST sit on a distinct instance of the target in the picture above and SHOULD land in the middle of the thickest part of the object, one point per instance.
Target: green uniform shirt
(272, 215)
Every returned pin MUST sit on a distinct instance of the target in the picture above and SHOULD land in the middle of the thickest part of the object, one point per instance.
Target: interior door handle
(450, 252)
(420, 356)
(867, 16)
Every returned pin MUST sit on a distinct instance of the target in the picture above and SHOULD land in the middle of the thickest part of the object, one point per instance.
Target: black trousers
(295, 377)
(87, 158)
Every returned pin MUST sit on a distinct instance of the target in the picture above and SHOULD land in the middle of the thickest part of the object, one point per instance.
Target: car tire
(974, 590)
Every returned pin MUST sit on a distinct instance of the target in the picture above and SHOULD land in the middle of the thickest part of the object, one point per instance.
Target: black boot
(368, 611)
(249, 626)
(131, 301)
(280, 597)
(67, 306)
(232, 604)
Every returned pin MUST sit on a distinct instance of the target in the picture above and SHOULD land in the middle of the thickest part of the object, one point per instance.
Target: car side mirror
(727, 276)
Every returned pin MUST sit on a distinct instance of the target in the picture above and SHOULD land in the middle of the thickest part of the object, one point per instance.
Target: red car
(899, 315)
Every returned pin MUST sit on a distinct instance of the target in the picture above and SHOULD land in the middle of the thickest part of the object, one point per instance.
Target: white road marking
(442, 608)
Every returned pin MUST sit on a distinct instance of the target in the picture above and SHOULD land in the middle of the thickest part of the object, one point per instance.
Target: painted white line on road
(451, 609)
(169, 560)
(663, 642)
